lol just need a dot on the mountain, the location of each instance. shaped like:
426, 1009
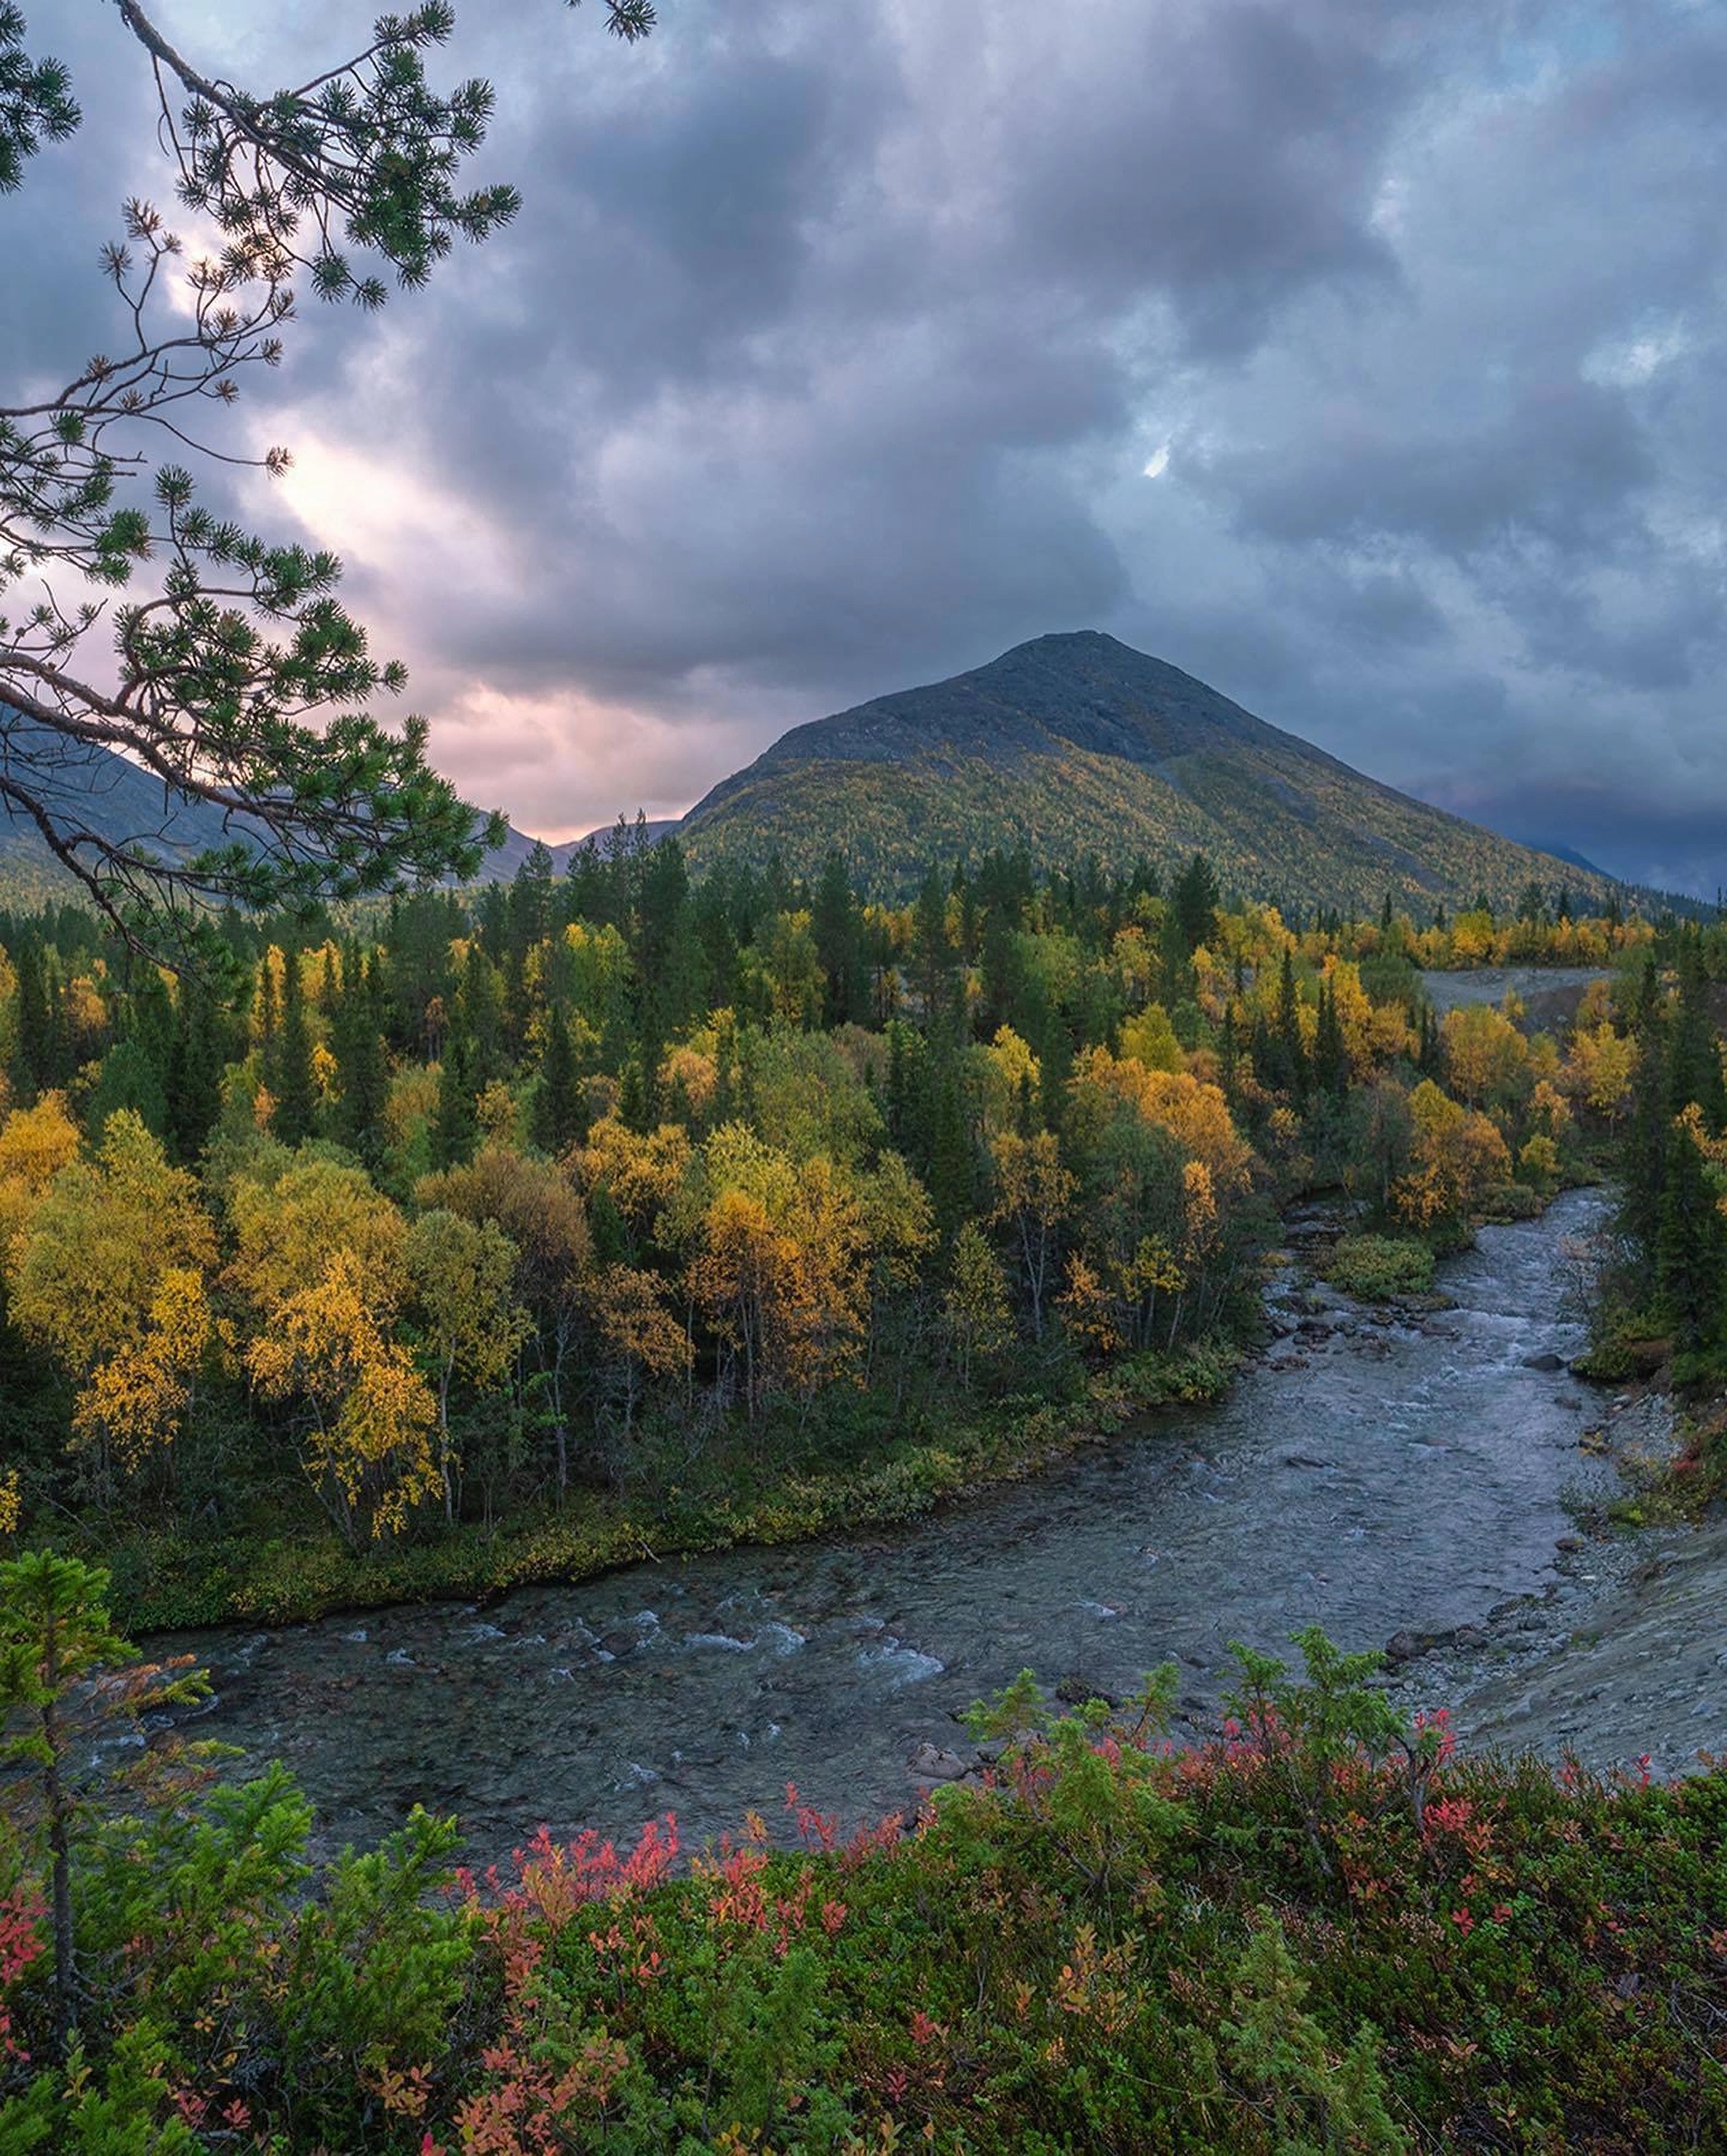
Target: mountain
1076, 745
1567, 854
124, 804
1069, 746
102, 790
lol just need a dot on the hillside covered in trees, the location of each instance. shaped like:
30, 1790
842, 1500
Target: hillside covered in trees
1067, 748
1076, 745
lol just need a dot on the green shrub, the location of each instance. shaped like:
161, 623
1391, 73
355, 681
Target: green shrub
1508, 1202
1379, 1267
1322, 1931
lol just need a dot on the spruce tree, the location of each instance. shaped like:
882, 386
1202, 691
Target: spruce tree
1694, 1056
556, 1119
1646, 1152
1330, 1058
516, 1012
1430, 1051
1690, 1246
479, 1014
269, 1027
129, 1078
1228, 1056
1271, 1064
932, 955
29, 1059
295, 1090
838, 945
1292, 1048
361, 1060
1194, 902
195, 1059
900, 1097
951, 1163
456, 1126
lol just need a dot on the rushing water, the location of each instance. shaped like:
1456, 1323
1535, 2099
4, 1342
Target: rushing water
1368, 1474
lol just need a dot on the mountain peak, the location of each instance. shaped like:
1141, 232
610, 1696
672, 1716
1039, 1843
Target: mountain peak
1074, 744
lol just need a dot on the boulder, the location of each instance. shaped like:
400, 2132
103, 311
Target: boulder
928, 1763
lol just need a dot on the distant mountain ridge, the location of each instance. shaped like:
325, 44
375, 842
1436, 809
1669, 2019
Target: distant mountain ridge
1070, 745
1075, 744
127, 806
114, 797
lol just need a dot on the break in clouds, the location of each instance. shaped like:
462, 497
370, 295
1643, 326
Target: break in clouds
1363, 358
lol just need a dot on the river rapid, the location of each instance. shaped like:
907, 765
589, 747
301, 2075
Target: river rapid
1378, 1473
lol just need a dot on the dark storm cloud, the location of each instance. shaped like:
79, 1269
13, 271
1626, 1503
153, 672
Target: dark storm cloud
1560, 464
836, 340
835, 336
1223, 157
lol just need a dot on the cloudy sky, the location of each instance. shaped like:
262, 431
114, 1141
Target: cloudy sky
1363, 358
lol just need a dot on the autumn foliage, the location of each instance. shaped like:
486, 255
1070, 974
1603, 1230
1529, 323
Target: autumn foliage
609, 1189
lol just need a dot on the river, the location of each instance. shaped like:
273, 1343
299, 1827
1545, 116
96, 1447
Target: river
1372, 1473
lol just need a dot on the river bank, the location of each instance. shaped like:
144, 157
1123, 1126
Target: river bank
176, 1581
1621, 1660
1377, 1472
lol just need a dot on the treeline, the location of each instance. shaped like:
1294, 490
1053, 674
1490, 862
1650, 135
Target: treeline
1668, 1293
478, 1202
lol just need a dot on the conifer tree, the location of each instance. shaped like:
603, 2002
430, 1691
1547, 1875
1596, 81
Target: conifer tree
1194, 902
1430, 1050
130, 1079
1694, 1055
558, 1107
531, 899
455, 1127
900, 1092
952, 1165
1691, 1245
480, 1004
838, 944
932, 953
269, 1026
1330, 1058
196, 1057
295, 1090
240, 681
361, 1060
1293, 1049
1228, 1056
41, 1050
1647, 1146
